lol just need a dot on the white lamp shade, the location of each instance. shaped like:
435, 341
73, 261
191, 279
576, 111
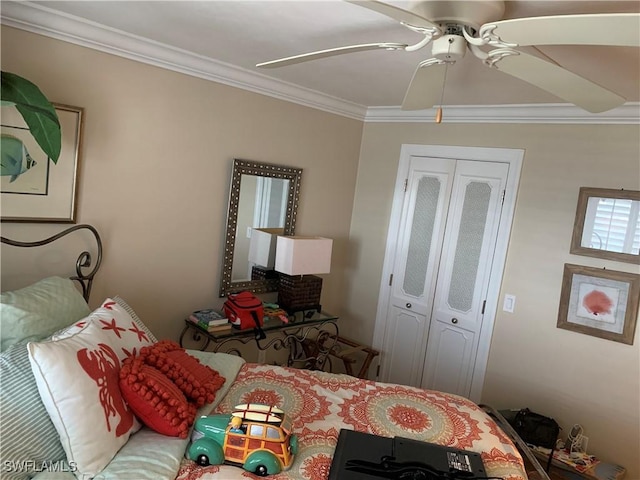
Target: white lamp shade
300, 255
262, 246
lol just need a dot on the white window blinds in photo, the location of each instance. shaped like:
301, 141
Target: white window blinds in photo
615, 225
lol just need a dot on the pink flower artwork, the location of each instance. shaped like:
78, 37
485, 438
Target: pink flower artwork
597, 302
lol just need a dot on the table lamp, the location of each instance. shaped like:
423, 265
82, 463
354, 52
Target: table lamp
298, 258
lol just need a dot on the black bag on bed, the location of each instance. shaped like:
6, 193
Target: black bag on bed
536, 429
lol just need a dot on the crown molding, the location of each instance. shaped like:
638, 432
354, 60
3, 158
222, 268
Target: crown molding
551, 113
44, 21
41, 20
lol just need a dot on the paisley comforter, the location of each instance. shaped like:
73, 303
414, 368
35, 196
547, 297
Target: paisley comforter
321, 404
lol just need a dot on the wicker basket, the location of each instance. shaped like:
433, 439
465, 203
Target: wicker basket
299, 292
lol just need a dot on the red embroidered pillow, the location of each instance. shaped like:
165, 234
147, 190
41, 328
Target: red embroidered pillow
198, 382
155, 399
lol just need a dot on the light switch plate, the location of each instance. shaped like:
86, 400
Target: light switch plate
509, 303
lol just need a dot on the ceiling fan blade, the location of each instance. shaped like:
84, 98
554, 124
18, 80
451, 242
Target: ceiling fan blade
396, 13
426, 86
560, 82
305, 57
611, 29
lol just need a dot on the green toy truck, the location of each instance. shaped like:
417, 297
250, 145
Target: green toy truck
256, 437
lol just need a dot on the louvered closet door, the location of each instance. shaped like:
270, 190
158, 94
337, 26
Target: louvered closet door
465, 267
424, 212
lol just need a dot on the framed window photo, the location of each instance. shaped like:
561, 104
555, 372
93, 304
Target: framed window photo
607, 224
599, 302
38, 190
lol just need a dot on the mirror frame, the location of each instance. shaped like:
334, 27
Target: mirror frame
247, 167
578, 227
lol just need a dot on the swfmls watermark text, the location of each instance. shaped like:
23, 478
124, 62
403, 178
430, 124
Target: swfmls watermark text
19, 466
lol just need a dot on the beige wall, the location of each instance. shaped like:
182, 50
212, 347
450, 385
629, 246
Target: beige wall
573, 377
156, 163
156, 166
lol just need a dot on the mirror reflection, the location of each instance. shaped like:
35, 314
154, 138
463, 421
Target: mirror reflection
262, 204
263, 199
608, 224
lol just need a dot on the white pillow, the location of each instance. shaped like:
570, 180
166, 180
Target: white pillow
135, 317
126, 335
93, 421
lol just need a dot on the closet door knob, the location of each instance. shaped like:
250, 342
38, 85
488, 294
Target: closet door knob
408, 305
454, 320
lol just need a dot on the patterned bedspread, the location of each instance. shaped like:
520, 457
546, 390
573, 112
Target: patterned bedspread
320, 404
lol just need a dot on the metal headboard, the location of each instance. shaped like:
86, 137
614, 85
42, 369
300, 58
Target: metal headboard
84, 260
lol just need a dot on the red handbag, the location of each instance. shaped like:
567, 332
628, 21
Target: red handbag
244, 311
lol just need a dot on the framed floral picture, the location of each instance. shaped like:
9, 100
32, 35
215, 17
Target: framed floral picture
599, 302
33, 188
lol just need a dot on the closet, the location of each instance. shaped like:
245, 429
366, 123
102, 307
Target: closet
445, 255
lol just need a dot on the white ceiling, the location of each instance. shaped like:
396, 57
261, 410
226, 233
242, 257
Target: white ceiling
243, 33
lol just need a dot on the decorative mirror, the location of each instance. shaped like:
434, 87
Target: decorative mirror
607, 224
262, 196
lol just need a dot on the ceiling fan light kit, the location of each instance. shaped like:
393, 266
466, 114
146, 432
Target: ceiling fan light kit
453, 26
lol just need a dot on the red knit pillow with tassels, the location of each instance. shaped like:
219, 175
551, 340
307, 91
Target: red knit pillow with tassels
155, 399
198, 382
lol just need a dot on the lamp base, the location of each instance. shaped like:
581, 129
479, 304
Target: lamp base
298, 293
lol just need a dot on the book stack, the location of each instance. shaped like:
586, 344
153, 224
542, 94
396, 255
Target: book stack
210, 320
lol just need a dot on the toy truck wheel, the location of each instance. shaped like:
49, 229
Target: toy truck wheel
262, 463
206, 452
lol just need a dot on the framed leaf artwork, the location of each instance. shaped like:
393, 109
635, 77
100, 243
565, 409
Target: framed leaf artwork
33, 188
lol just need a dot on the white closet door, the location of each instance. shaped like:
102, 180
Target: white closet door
463, 279
420, 236
444, 261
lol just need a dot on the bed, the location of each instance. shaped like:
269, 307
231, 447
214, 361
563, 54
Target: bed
47, 444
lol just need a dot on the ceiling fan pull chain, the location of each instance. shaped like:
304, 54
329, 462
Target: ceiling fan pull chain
444, 83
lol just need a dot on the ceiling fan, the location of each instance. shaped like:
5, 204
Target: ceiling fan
453, 27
